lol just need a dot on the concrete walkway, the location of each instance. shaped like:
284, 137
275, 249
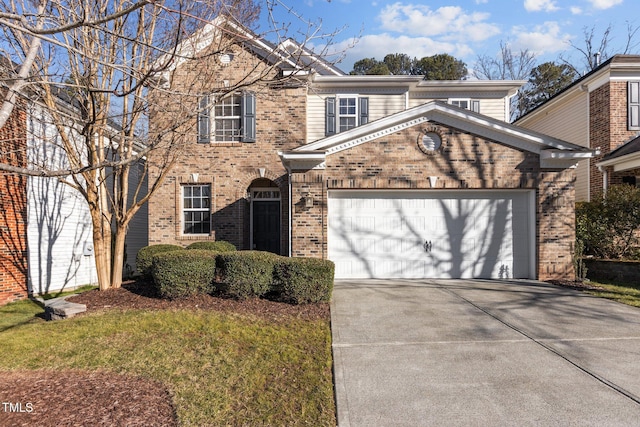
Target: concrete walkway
482, 353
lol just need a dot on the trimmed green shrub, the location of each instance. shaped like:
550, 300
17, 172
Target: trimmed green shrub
607, 227
304, 280
218, 246
180, 274
246, 274
144, 257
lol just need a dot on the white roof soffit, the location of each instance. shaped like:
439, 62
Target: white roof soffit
418, 82
622, 163
464, 120
302, 160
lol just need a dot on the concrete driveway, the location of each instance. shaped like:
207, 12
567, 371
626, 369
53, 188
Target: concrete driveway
482, 353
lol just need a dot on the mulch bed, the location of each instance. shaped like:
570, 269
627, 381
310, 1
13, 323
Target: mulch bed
81, 398
140, 295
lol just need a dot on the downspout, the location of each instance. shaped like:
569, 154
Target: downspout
605, 179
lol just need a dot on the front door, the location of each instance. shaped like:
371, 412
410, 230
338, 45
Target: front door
266, 226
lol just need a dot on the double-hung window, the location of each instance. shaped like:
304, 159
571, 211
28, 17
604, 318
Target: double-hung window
229, 118
345, 112
467, 104
196, 209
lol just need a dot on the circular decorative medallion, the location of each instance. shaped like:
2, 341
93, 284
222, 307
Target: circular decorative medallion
226, 58
430, 141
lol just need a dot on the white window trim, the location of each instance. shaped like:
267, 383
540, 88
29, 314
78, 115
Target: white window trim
212, 117
356, 115
183, 209
467, 100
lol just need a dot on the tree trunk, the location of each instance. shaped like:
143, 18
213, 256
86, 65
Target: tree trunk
102, 253
118, 257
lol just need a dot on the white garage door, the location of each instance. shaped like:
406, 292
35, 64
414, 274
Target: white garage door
431, 234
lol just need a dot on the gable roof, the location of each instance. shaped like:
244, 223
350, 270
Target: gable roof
625, 157
553, 152
617, 66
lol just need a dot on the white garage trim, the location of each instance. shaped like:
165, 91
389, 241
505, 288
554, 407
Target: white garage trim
432, 233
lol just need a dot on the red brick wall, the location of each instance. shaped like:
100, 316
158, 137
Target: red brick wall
607, 126
13, 211
465, 162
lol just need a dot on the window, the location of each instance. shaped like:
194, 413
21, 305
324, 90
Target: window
345, 112
633, 105
467, 104
231, 118
196, 207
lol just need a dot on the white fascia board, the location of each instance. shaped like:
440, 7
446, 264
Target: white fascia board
562, 159
622, 163
447, 115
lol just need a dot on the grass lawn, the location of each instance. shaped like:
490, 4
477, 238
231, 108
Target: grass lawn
222, 369
626, 293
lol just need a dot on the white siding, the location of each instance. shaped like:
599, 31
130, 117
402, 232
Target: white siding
58, 226
380, 105
494, 108
570, 122
58, 221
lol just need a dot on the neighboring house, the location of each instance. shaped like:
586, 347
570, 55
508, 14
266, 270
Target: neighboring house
46, 231
600, 111
13, 209
388, 176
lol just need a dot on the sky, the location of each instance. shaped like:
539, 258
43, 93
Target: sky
464, 29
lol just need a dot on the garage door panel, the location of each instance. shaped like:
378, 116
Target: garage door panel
472, 233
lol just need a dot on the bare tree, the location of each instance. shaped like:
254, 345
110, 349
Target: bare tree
89, 67
507, 65
595, 49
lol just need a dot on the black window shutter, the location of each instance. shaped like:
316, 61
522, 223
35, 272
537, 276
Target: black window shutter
364, 110
248, 107
633, 105
330, 116
475, 106
204, 120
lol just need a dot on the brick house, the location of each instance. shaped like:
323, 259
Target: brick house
13, 208
600, 111
388, 176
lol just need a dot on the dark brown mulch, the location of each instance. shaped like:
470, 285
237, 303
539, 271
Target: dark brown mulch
139, 295
575, 284
79, 398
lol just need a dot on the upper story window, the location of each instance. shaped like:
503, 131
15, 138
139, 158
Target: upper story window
196, 209
466, 103
345, 112
633, 105
231, 118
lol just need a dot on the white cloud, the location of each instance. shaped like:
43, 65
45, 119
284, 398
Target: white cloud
540, 5
605, 4
450, 23
542, 39
482, 1
575, 10
377, 46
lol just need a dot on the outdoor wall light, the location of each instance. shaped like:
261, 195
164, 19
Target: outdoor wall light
307, 198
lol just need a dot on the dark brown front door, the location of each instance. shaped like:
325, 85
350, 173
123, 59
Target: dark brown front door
266, 226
